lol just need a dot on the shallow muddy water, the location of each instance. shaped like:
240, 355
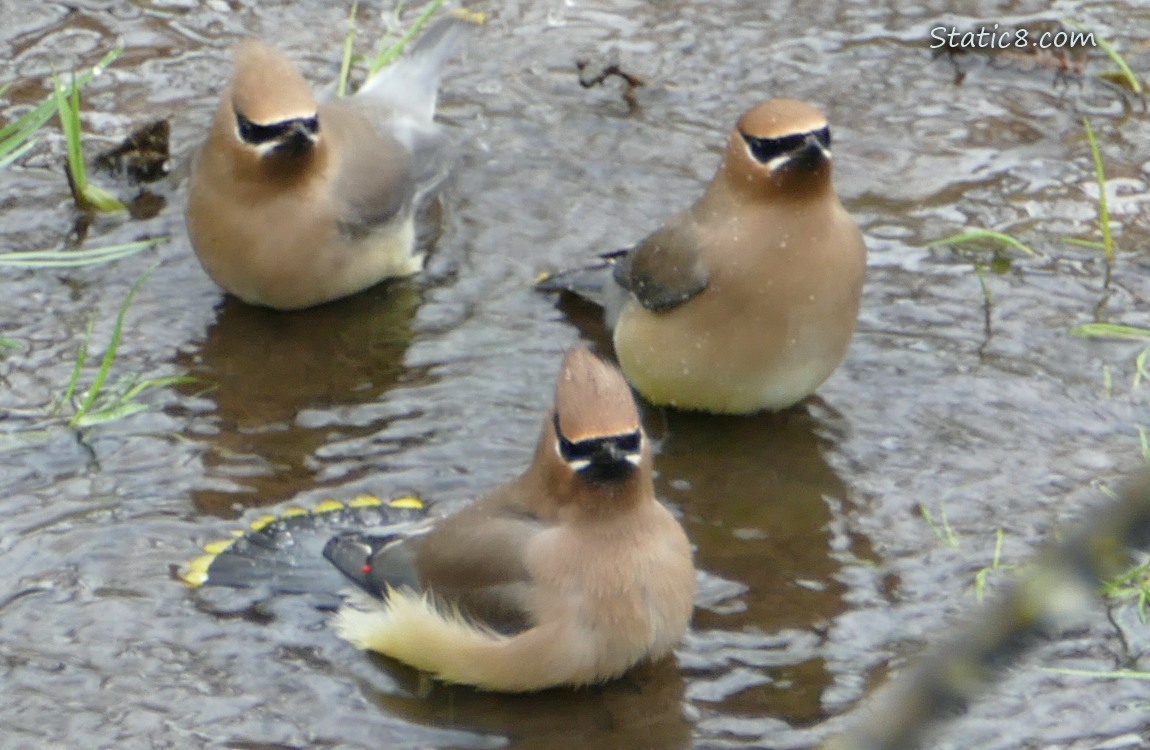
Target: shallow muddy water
823, 572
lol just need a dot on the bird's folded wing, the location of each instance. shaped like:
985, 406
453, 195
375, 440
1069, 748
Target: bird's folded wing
666, 269
376, 184
473, 562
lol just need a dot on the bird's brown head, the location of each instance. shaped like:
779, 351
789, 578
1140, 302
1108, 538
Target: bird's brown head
272, 110
780, 148
593, 449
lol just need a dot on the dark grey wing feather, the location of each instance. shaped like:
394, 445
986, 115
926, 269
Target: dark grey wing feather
482, 575
376, 184
373, 197
477, 564
666, 269
587, 282
363, 559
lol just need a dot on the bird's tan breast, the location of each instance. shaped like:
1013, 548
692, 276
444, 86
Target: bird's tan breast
773, 323
277, 242
620, 593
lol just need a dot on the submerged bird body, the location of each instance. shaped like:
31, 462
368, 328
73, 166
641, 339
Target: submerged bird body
295, 202
568, 575
747, 300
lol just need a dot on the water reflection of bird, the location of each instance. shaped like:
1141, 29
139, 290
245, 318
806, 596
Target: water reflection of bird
747, 300
756, 490
264, 369
643, 710
760, 501
294, 203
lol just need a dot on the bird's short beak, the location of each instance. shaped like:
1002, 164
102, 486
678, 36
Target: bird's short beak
298, 141
812, 153
609, 463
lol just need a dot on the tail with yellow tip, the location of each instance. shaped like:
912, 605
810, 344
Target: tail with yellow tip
282, 553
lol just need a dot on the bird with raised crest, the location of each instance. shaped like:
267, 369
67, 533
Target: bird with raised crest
747, 300
570, 574
296, 201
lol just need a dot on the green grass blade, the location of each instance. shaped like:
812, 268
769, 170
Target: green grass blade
74, 258
974, 235
20, 129
109, 414
1131, 79
125, 404
10, 344
110, 353
1118, 583
81, 359
16, 153
146, 385
74, 134
102, 200
1092, 244
987, 294
26, 439
348, 47
941, 528
1117, 674
1103, 205
31, 121
980, 583
995, 564
1140, 372
388, 55
1111, 331
86, 194
68, 108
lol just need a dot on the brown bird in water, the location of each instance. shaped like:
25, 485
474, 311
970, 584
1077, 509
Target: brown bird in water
747, 300
570, 574
294, 203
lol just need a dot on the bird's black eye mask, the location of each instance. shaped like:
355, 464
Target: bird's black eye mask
255, 134
765, 149
603, 458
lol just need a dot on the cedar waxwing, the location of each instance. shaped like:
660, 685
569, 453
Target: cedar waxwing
747, 300
293, 202
568, 575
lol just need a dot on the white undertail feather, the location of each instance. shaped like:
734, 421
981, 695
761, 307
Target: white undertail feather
388, 252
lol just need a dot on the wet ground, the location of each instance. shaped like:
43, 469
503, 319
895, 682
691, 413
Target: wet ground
967, 398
